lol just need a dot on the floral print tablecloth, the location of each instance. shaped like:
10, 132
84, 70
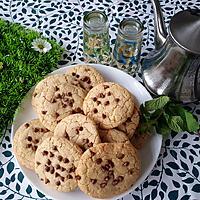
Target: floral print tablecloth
176, 175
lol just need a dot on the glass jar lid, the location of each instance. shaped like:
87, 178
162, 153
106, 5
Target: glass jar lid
130, 28
95, 20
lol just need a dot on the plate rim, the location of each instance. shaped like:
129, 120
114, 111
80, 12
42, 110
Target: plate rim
56, 71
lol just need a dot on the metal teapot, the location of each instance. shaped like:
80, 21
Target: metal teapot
174, 67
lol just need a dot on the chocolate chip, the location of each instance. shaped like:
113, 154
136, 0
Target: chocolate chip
85, 141
128, 119
34, 148
46, 181
28, 145
71, 102
98, 102
117, 100
130, 171
51, 154
98, 161
106, 103
57, 115
52, 170
120, 155
124, 123
57, 166
109, 93
73, 74
79, 110
34, 94
95, 110
29, 138
90, 144
89, 81
90, 87
94, 99
104, 116
53, 101
92, 153
38, 163
58, 96
77, 177
115, 182
44, 153
57, 183
125, 164
66, 135
93, 181
101, 95
62, 178
69, 176
42, 179
35, 141
85, 79
56, 88
107, 167
26, 125
55, 148
65, 160
60, 158
77, 75
47, 168
36, 130
64, 105
106, 178
62, 169
120, 178
77, 131
69, 94
81, 128
110, 162
103, 185
48, 162
106, 86
57, 174
72, 169
44, 112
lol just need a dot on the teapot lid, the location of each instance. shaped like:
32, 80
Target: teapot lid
184, 28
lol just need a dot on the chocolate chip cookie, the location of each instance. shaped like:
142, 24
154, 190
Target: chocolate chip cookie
79, 129
86, 75
108, 169
56, 100
108, 104
113, 136
26, 140
42, 86
130, 125
56, 161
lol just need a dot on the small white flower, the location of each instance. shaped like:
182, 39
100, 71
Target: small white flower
41, 45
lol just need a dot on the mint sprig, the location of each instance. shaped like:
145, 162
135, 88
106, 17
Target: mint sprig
166, 115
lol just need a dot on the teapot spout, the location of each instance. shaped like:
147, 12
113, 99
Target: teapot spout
159, 26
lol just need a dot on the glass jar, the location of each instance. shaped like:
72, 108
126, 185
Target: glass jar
96, 45
126, 53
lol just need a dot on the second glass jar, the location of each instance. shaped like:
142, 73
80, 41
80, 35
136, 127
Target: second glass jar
126, 53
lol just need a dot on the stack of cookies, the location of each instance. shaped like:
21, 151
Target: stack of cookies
83, 136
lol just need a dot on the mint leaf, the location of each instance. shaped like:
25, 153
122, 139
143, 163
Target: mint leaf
175, 123
156, 103
192, 124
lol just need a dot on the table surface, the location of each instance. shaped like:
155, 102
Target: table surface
176, 173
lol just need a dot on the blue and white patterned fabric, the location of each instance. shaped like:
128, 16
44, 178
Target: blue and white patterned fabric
176, 175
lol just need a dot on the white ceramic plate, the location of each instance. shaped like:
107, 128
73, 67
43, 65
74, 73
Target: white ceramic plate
149, 153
